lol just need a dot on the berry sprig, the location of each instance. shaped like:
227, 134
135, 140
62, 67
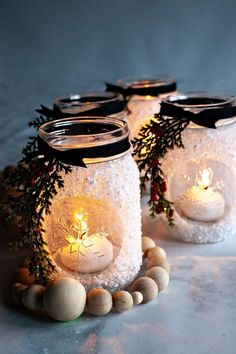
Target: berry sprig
153, 142
37, 178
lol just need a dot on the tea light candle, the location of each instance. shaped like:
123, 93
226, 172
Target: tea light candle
201, 202
86, 253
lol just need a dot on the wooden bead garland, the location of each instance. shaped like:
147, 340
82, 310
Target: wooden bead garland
156, 252
147, 287
99, 301
32, 297
159, 262
122, 300
147, 243
160, 276
64, 299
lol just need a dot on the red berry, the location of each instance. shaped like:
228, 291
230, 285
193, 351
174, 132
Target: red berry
33, 166
171, 213
33, 182
154, 187
163, 186
159, 208
154, 197
155, 162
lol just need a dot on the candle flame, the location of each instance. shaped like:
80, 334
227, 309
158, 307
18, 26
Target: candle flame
81, 226
204, 178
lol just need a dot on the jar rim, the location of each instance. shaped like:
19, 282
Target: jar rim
103, 103
146, 81
87, 97
200, 100
96, 131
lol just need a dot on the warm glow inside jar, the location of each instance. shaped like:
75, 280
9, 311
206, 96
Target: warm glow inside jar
98, 103
145, 95
93, 232
201, 177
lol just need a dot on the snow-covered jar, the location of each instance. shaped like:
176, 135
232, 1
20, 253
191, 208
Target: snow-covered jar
201, 176
144, 96
93, 232
97, 103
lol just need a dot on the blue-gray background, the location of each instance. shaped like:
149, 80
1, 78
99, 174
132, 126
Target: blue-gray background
50, 48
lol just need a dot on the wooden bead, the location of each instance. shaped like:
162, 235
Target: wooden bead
32, 297
23, 276
147, 243
156, 252
160, 276
137, 297
99, 302
64, 299
122, 301
159, 262
16, 292
147, 287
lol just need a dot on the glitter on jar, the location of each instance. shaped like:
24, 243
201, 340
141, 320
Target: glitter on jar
143, 105
93, 232
206, 151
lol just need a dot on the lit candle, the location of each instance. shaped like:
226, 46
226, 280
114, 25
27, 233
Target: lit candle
84, 253
202, 202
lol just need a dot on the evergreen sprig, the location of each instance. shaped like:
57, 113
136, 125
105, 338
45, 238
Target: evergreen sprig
154, 141
37, 178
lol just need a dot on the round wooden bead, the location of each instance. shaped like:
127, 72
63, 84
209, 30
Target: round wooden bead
160, 276
156, 252
122, 301
32, 297
137, 297
147, 243
23, 276
147, 287
159, 262
16, 292
64, 299
99, 302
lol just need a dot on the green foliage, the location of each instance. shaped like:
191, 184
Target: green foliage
37, 178
154, 141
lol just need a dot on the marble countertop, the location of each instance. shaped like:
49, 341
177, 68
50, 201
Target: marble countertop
196, 314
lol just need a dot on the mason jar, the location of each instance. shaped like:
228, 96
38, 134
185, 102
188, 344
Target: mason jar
144, 96
97, 103
93, 232
201, 176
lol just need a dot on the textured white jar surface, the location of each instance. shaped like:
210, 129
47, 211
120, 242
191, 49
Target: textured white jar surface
108, 188
142, 110
214, 147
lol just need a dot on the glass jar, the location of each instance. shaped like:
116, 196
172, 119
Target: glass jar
144, 97
100, 104
201, 176
93, 232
